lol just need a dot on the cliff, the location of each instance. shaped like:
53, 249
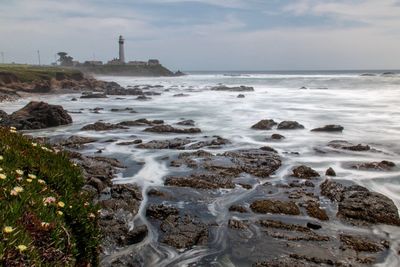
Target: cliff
128, 70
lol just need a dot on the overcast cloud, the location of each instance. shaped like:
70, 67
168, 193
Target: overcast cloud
208, 34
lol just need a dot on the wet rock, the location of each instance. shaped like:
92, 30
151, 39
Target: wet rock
277, 137
93, 95
76, 142
74, 99
236, 224
121, 109
180, 95
237, 208
138, 234
156, 193
126, 197
264, 125
161, 211
360, 244
246, 186
186, 123
333, 190
304, 172
214, 143
170, 129
329, 128
360, 207
382, 166
358, 147
314, 226
241, 96
184, 232
340, 144
275, 206
289, 125
102, 126
141, 122
313, 210
283, 226
37, 115
134, 142
143, 98
200, 181
233, 89
176, 143
330, 172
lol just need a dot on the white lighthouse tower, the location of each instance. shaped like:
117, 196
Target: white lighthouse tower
121, 49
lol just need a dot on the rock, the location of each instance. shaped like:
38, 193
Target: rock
200, 181
237, 208
184, 232
264, 125
143, 98
176, 143
382, 166
304, 172
359, 244
233, 89
358, 147
283, 226
138, 234
330, 172
170, 129
360, 207
332, 190
329, 128
214, 143
313, 210
275, 206
76, 142
161, 211
37, 115
74, 99
122, 109
277, 137
236, 224
313, 226
241, 96
93, 95
101, 126
340, 144
289, 125
186, 123
134, 142
141, 122
180, 95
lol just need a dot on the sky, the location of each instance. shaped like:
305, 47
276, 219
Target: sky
207, 34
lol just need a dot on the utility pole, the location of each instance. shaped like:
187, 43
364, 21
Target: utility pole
38, 53
2, 57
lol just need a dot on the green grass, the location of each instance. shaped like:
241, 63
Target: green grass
29, 73
53, 234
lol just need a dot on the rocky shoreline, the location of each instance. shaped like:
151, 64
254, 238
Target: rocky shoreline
285, 222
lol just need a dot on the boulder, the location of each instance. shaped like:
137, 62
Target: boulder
329, 128
290, 125
102, 126
37, 115
275, 206
176, 143
186, 123
93, 95
170, 129
264, 125
277, 137
384, 165
304, 172
241, 96
314, 210
330, 172
233, 89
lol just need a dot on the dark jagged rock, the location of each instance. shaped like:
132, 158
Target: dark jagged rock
93, 95
200, 181
289, 125
358, 147
329, 128
241, 96
76, 142
138, 234
275, 206
37, 115
332, 190
214, 143
237, 208
233, 89
382, 166
102, 126
264, 125
283, 226
176, 143
313, 210
314, 226
170, 129
277, 137
304, 172
74, 99
121, 109
184, 232
141, 122
161, 211
236, 224
360, 244
128, 143
330, 172
186, 123
180, 95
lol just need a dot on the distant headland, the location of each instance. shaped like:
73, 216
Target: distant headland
118, 66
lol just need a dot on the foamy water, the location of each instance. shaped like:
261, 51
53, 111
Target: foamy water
367, 107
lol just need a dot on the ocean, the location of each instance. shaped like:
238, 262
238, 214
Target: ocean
365, 103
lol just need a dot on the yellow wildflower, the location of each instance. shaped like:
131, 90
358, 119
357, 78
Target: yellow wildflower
70, 207
22, 248
32, 176
86, 204
8, 229
91, 215
60, 213
34, 144
1, 169
1, 157
18, 189
61, 204
13, 128
19, 172
2, 176
40, 181
29, 180
45, 224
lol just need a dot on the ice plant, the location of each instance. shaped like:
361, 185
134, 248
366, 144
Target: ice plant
61, 204
19, 172
29, 180
2, 176
32, 176
34, 144
8, 229
60, 213
1, 157
22, 248
40, 181
49, 200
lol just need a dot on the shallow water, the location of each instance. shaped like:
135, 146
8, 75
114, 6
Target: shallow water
367, 107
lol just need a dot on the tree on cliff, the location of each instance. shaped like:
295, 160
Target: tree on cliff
64, 59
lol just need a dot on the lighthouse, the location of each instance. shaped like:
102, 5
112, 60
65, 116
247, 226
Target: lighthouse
121, 49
